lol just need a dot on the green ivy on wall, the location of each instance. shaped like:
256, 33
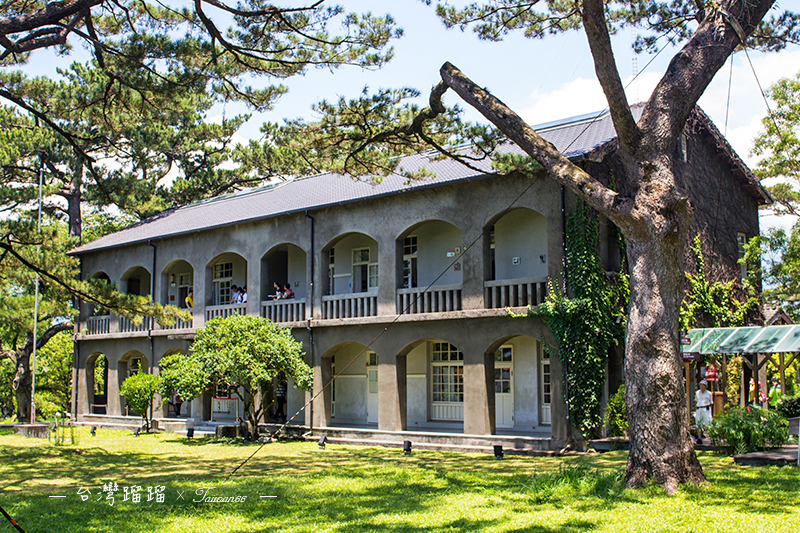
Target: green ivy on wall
714, 304
587, 321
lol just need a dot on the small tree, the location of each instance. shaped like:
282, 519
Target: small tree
139, 390
242, 354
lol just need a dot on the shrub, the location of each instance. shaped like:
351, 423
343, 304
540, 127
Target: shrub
789, 406
138, 391
616, 417
749, 429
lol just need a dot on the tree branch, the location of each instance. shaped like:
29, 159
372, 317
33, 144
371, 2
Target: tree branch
561, 169
692, 69
594, 21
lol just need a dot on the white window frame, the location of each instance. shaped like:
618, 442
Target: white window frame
447, 371
371, 268
410, 262
741, 241
223, 279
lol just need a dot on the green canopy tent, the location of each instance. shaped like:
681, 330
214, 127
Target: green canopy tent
779, 345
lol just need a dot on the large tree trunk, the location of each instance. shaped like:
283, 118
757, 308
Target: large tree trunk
22, 383
22, 380
661, 446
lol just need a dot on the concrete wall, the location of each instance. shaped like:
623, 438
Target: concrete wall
435, 240
521, 234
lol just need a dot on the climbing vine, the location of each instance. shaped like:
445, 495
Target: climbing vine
587, 321
714, 304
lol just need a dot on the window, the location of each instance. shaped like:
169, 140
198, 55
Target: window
365, 273
741, 241
223, 275
683, 148
492, 252
134, 366
502, 369
331, 271
447, 372
372, 372
546, 390
410, 262
184, 286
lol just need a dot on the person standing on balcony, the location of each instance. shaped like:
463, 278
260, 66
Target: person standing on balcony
288, 293
243, 294
190, 299
236, 297
278, 291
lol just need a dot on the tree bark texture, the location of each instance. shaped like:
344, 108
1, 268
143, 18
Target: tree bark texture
22, 383
654, 219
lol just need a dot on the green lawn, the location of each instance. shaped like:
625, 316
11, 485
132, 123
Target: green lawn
344, 488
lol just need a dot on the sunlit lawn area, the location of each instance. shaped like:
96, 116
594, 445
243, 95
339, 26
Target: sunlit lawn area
344, 488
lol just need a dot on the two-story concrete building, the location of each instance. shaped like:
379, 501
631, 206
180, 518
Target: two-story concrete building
401, 289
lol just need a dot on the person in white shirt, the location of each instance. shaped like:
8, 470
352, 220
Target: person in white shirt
702, 413
243, 294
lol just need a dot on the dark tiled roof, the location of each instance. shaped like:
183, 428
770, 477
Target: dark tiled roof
574, 137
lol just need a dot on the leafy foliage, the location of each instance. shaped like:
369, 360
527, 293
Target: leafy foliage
587, 324
775, 256
789, 406
714, 304
139, 390
54, 371
616, 416
242, 354
779, 146
747, 429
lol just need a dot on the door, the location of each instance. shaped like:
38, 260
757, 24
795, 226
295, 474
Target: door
504, 387
546, 392
372, 388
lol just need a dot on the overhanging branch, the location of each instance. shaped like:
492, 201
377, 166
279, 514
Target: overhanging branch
560, 168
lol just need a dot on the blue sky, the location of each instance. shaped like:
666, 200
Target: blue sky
542, 80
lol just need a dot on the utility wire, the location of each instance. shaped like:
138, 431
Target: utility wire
419, 295
385, 329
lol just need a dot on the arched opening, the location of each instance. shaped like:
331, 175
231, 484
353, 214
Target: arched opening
434, 384
175, 406
95, 310
97, 384
283, 265
522, 384
225, 274
135, 280
354, 393
177, 281
516, 256
351, 281
428, 255
130, 363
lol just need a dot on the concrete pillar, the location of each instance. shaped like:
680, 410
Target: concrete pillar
472, 274
322, 404
478, 392
116, 373
84, 385
387, 276
392, 393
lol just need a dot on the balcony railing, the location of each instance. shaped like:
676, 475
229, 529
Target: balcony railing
179, 324
127, 326
291, 310
224, 311
98, 325
350, 305
436, 299
514, 292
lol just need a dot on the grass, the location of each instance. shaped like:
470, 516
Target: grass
356, 489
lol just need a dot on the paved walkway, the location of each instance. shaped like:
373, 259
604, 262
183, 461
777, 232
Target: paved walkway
777, 456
